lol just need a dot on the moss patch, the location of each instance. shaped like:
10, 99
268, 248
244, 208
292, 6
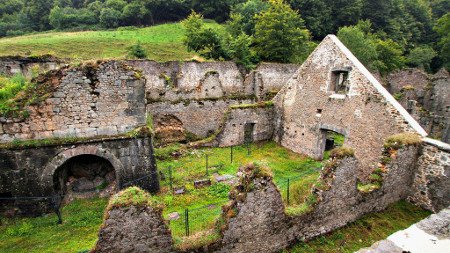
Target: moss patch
133, 196
398, 141
256, 105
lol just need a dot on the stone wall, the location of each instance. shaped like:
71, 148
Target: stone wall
175, 81
261, 119
31, 171
201, 118
261, 224
134, 229
365, 113
426, 97
92, 100
28, 66
431, 187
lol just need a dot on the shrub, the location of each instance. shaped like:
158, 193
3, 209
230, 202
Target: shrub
137, 51
400, 140
342, 152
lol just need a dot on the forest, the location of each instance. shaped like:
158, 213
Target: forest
384, 35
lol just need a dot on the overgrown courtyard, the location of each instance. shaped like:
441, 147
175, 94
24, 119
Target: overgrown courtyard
179, 167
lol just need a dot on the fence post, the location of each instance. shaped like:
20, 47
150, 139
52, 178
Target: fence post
288, 191
231, 154
56, 203
186, 221
248, 148
170, 179
207, 173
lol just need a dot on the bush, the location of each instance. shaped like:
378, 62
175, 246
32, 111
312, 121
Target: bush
137, 51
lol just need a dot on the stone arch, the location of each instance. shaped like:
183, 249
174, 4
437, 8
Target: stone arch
64, 156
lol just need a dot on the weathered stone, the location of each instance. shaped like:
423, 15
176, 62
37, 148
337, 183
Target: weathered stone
173, 216
202, 183
134, 229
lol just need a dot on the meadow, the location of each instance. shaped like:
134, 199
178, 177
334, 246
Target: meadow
162, 43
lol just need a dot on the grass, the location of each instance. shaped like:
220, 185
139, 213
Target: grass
365, 231
398, 141
204, 204
161, 42
79, 231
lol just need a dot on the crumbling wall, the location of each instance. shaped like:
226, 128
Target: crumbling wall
28, 66
92, 100
201, 118
426, 98
308, 105
344, 203
31, 171
233, 132
133, 223
431, 187
255, 219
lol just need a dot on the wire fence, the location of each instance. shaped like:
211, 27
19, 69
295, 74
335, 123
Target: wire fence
185, 222
54, 201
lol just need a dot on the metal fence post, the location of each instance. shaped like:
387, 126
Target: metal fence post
207, 173
55, 201
170, 179
288, 191
231, 154
186, 221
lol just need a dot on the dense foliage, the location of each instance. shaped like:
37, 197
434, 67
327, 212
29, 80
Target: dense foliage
418, 29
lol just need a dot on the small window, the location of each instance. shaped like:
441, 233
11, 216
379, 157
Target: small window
339, 81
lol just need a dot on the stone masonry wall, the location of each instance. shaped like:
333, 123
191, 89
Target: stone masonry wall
261, 224
307, 106
28, 66
234, 129
107, 99
134, 229
431, 187
426, 97
30, 171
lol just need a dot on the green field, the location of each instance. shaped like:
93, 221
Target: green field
82, 218
162, 43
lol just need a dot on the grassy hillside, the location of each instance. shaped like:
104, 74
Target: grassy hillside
162, 42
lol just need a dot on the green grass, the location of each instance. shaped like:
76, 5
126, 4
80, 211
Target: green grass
162, 43
365, 231
79, 231
192, 166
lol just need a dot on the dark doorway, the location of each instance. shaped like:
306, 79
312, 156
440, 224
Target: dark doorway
331, 140
84, 174
249, 128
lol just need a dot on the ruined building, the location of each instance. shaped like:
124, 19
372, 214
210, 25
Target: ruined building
103, 113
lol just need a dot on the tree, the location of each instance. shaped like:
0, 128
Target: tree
37, 12
442, 27
243, 15
280, 34
10, 7
390, 56
218, 10
109, 18
134, 13
317, 16
361, 45
117, 5
344, 12
421, 57
208, 42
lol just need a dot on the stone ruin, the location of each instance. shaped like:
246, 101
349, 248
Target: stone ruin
109, 111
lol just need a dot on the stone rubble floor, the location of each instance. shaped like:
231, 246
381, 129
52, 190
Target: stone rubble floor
431, 235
